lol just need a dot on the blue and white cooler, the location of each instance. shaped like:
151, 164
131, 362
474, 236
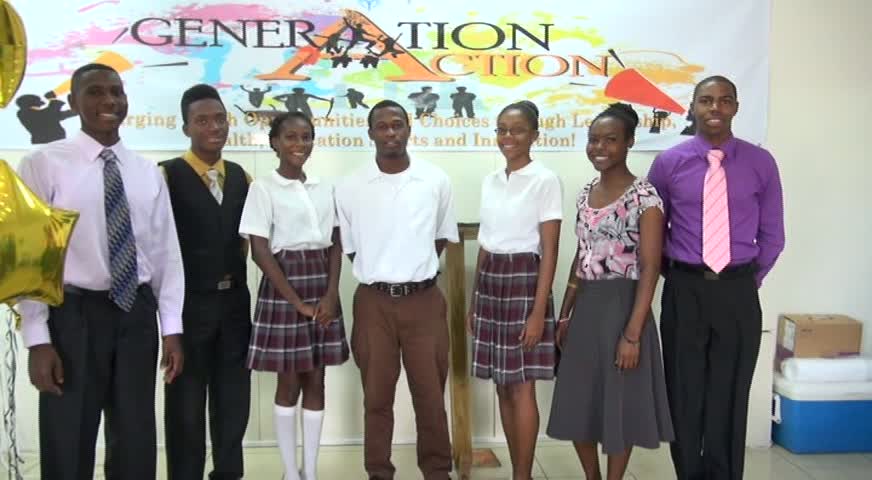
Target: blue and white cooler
823, 405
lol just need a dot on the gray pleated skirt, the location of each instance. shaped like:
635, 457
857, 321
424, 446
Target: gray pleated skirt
593, 400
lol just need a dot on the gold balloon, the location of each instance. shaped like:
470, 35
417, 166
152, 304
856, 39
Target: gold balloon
13, 52
33, 243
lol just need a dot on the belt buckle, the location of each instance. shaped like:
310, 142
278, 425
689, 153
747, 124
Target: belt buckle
709, 275
224, 285
396, 290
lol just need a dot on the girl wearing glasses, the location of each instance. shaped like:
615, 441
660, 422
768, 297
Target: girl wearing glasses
511, 317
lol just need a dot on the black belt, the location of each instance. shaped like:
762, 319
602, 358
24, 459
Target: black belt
397, 290
732, 271
84, 292
226, 284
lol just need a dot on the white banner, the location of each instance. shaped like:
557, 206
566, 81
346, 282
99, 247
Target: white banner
454, 64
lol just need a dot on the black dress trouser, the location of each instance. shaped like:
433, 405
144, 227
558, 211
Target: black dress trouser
711, 330
109, 359
217, 330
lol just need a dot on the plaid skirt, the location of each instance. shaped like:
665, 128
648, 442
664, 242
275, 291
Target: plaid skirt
503, 300
283, 340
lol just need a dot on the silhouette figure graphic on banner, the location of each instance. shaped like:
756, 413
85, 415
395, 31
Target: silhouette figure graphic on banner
372, 59
657, 123
425, 102
462, 101
332, 43
358, 35
369, 61
255, 96
298, 101
43, 124
691, 128
355, 98
390, 46
338, 60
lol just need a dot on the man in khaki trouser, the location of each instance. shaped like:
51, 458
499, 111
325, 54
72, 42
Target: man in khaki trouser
395, 217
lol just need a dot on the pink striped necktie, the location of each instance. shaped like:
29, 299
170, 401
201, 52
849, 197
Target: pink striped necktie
715, 215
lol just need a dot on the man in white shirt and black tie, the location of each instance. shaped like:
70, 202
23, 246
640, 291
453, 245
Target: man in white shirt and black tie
96, 353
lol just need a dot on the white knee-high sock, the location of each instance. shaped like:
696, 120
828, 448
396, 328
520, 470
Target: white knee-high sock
312, 423
286, 434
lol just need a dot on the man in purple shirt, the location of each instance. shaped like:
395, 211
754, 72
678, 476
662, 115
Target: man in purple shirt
716, 259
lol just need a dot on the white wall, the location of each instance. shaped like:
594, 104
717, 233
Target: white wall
819, 100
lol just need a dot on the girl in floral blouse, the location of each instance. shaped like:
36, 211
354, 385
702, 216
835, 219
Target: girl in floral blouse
610, 388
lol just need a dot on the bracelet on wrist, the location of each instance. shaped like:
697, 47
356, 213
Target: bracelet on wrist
627, 339
563, 319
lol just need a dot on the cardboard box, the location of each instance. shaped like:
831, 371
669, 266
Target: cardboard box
816, 336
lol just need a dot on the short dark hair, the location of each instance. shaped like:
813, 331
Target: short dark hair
385, 104
625, 114
195, 94
528, 109
275, 125
715, 78
77, 75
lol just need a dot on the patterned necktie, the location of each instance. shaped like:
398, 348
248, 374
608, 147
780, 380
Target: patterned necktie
214, 186
122, 247
715, 215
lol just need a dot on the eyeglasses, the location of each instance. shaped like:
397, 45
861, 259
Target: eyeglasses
515, 132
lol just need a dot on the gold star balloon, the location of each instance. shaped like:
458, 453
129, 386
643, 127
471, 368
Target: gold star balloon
13, 52
33, 243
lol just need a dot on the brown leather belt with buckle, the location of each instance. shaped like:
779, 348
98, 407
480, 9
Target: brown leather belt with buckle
397, 290
732, 271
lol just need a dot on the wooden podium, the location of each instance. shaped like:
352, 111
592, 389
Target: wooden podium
461, 433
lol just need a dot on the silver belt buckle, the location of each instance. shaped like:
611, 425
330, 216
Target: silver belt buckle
396, 290
708, 275
224, 285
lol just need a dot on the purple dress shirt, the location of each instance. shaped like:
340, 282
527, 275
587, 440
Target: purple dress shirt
754, 201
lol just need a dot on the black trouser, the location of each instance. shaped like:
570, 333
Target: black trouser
110, 360
217, 329
711, 338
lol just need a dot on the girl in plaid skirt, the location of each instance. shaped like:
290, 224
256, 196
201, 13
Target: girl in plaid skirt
511, 317
298, 328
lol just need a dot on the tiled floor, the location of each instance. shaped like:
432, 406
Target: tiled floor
553, 461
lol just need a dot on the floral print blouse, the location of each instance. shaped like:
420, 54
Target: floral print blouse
608, 237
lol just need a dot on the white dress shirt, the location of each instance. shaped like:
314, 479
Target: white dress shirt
512, 208
69, 174
293, 215
391, 221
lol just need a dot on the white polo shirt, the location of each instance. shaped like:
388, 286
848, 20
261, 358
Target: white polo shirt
391, 221
293, 215
512, 208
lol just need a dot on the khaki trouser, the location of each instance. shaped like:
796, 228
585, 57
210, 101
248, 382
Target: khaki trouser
412, 328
